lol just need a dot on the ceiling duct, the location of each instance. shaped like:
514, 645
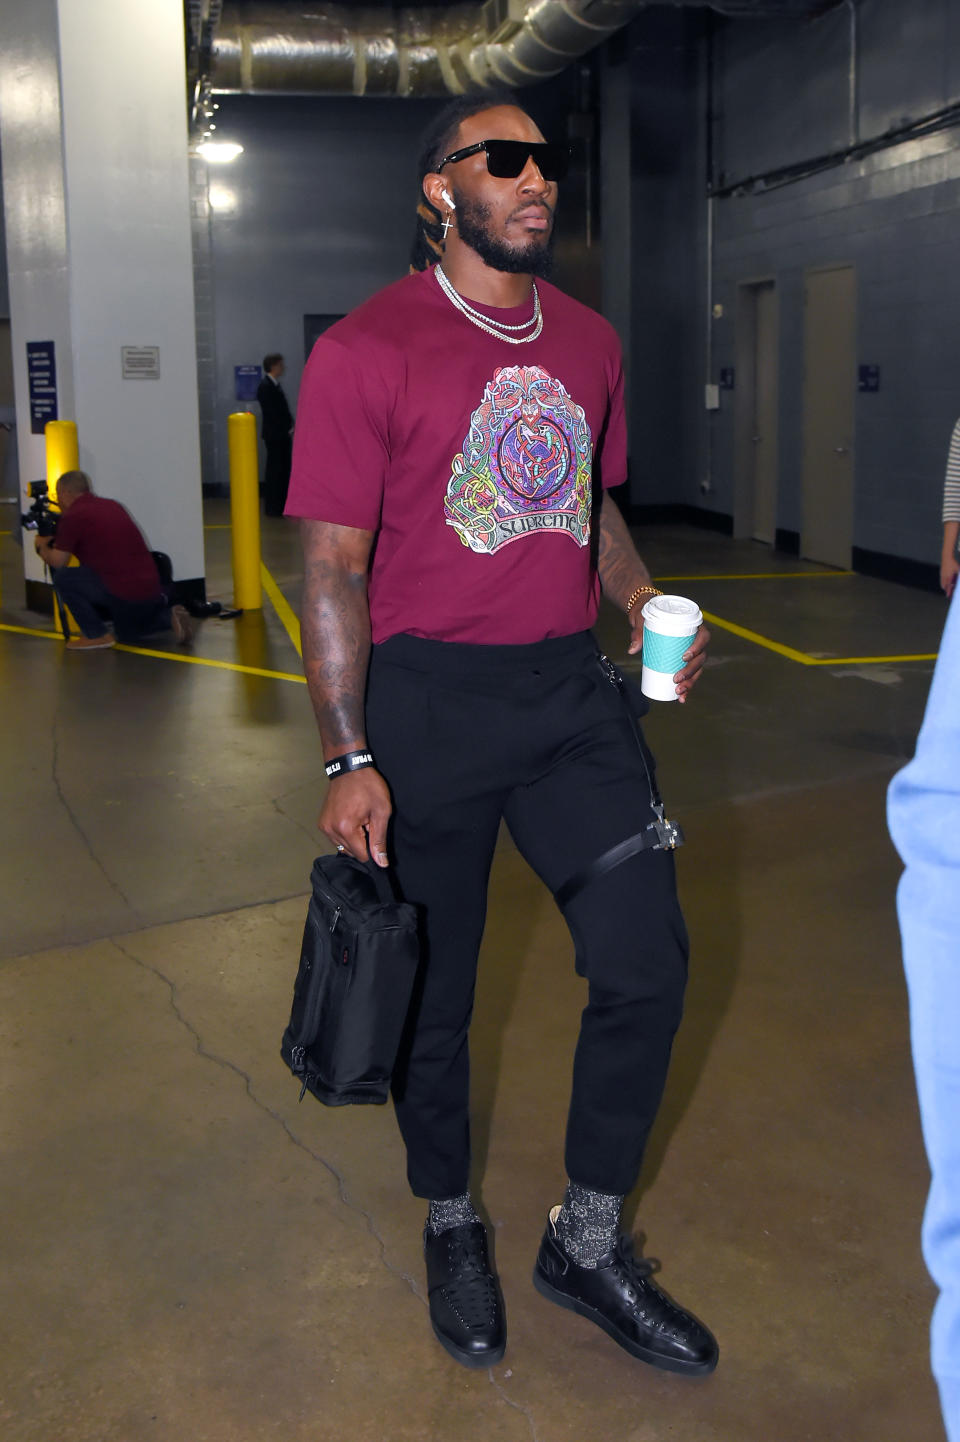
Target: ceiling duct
263, 49
293, 48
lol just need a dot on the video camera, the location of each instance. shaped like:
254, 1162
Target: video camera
41, 516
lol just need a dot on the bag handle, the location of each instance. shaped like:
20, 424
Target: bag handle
613, 675
381, 880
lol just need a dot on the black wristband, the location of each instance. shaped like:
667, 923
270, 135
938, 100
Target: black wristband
349, 761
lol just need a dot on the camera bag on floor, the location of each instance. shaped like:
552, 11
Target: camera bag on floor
357, 968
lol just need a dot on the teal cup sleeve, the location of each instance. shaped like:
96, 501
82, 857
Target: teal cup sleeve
664, 653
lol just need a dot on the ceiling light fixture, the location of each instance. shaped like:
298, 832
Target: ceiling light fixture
219, 152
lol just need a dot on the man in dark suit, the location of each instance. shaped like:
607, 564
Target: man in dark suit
277, 430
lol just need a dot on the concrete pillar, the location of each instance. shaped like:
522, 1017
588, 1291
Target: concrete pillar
96, 202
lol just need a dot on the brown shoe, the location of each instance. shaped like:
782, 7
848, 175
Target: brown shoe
182, 625
91, 643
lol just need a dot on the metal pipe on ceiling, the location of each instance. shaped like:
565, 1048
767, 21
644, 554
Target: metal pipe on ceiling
551, 35
265, 47
339, 49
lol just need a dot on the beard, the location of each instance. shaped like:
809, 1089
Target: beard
534, 257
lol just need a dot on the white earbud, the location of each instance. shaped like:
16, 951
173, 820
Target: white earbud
448, 198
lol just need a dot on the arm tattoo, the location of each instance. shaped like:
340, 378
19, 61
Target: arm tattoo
335, 631
620, 567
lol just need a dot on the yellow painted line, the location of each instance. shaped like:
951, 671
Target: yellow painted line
208, 661
281, 605
868, 660
802, 658
283, 608
763, 576
173, 656
28, 631
791, 655
758, 640
226, 527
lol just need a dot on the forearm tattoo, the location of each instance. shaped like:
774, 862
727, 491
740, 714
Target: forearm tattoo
620, 567
335, 633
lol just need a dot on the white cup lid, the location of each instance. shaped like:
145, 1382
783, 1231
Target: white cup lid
672, 615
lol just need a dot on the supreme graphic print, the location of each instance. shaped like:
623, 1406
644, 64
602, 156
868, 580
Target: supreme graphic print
525, 465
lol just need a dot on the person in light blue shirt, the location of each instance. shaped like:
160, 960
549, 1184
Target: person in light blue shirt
924, 817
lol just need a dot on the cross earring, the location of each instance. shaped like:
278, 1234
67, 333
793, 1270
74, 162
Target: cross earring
448, 223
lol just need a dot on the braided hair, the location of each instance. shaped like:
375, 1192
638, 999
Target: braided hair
435, 143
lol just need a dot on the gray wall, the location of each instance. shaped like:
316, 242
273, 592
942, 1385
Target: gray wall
4, 284
658, 61
782, 96
322, 216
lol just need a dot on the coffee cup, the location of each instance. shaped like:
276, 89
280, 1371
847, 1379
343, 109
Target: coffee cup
669, 625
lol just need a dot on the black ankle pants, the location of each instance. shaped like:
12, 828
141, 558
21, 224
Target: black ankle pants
467, 735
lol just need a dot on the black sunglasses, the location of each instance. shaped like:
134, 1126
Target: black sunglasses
506, 159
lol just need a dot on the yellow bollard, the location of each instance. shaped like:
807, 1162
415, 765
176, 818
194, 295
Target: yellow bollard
63, 454
245, 510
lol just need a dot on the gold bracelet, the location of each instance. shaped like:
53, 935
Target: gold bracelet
638, 593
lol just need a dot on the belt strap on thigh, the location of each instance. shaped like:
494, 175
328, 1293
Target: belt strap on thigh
660, 835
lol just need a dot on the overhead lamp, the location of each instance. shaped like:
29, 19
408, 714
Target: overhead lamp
219, 152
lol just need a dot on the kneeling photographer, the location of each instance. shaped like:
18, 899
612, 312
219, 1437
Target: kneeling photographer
117, 578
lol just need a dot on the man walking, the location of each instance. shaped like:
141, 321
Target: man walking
276, 427
469, 420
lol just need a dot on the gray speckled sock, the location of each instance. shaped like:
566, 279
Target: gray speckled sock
588, 1224
451, 1212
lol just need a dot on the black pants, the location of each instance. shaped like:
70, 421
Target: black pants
466, 735
92, 605
276, 475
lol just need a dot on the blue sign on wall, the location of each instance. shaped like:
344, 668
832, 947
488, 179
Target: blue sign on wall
42, 381
245, 382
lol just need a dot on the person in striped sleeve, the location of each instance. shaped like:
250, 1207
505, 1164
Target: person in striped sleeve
949, 565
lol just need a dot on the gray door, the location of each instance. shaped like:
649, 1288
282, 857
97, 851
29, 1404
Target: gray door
756, 412
829, 381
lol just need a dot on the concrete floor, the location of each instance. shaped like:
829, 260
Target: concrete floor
191, 1256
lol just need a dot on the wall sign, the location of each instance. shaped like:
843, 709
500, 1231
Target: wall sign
42, 382
868, 378
140, 362
245, 382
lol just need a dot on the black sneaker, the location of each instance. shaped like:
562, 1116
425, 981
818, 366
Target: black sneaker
619, 1296
466, 1307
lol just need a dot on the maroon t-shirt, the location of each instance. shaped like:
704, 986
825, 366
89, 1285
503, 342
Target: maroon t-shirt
103, 536
475, 461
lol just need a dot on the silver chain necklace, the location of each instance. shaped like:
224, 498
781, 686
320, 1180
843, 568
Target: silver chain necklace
498, 329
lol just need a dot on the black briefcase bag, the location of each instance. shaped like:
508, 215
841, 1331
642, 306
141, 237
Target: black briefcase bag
352, 994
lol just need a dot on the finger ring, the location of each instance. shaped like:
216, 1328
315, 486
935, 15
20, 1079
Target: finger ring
341, 848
